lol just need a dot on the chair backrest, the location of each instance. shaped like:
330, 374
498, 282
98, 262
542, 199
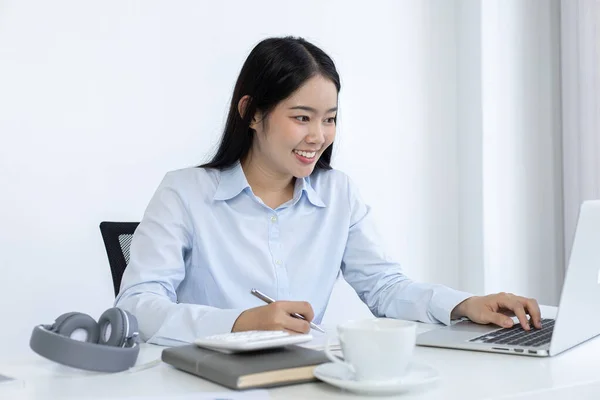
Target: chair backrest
117, 239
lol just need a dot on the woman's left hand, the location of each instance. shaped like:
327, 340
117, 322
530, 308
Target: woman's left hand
497, 309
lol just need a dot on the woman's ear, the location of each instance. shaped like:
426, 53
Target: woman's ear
242, 106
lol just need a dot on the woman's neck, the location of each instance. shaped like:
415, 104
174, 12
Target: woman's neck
274, 189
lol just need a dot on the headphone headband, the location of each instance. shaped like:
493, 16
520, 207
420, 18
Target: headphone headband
87, 355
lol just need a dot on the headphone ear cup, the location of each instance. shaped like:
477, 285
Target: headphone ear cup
67, 324
113, 327
60, 320
133, 324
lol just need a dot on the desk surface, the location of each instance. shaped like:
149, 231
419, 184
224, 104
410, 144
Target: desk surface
466, 375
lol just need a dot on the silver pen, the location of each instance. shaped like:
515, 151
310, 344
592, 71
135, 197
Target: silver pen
269, 300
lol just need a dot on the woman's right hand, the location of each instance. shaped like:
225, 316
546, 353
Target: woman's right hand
276, 316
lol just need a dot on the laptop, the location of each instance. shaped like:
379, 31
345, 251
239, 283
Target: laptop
576, 318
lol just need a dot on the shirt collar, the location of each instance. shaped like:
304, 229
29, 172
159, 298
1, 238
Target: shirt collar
233, 181
304, 185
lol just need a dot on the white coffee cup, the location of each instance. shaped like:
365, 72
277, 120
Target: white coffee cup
376, 349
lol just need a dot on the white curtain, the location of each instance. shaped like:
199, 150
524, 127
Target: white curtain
521, 148
509, 145
580, 57
529, 139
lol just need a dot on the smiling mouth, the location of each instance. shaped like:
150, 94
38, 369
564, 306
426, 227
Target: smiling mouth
306, 154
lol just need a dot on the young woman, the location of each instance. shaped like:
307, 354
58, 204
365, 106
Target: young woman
269, 212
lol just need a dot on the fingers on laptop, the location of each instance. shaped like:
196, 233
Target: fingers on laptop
533, 308
498, 319
521, 306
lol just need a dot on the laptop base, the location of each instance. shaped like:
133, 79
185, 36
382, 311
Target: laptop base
458, 336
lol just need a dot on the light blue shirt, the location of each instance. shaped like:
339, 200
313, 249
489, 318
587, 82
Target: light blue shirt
206, 240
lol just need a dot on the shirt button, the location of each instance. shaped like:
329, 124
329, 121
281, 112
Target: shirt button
273, 218
278, 262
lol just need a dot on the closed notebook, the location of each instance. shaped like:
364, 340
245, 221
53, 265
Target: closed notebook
263, 368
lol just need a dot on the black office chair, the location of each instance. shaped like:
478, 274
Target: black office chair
117, 239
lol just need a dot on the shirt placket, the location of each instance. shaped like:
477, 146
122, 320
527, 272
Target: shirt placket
277, 257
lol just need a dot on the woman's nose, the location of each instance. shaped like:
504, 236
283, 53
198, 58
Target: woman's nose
316, 136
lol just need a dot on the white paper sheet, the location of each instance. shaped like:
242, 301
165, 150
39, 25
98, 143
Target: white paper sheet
320, 339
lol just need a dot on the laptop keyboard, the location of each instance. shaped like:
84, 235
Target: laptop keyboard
518, 336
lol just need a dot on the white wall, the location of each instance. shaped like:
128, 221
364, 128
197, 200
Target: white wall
98, 100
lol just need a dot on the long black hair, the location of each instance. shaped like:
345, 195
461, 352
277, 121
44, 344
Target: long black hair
274, 69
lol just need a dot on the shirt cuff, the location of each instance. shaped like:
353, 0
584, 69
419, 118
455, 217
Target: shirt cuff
444, 301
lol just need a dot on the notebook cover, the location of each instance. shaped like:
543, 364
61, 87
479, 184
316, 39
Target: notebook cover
227, 369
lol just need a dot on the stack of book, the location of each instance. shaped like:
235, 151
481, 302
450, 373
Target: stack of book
256, 369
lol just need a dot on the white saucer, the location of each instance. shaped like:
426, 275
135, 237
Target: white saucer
340, 376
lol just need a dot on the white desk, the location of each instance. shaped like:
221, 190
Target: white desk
465, 375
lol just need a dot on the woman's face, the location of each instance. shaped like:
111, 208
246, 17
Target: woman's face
297, 131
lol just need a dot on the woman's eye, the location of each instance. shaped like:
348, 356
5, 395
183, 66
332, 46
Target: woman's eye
330, 120
302, 118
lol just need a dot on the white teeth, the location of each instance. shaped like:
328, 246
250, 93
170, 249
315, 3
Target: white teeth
307, 154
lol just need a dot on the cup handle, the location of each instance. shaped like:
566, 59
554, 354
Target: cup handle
335, 358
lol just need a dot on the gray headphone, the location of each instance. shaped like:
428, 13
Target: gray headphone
111, 344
